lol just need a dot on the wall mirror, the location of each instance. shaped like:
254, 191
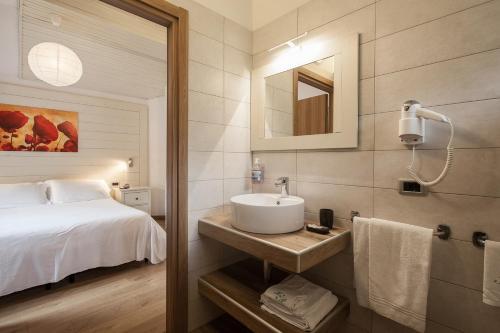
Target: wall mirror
303, 99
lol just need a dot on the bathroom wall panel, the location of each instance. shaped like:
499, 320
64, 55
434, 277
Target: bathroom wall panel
319, 12
461, 179
461, 308
348, 168
341, 198
390, 19
367, 60
206, 79
457, 262
457, 35
466, 88
237, 36
277, 32
366, 96
366, 132
205, 50
237, 62
202, 20
463, 213
206, 108
470, 78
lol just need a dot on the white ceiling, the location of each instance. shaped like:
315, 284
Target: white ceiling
122, 54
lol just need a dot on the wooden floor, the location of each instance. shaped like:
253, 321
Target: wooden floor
128, 298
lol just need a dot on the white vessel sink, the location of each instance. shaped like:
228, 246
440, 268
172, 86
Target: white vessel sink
266, 213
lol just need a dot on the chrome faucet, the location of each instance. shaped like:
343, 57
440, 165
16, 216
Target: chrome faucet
282, 182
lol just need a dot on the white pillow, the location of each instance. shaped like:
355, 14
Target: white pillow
73, 190
22, 195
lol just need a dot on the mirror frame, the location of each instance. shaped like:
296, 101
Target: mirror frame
346, 81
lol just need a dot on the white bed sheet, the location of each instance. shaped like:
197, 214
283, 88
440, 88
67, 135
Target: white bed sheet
46, 243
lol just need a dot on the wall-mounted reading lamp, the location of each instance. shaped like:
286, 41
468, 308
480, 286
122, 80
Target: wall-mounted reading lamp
290, 42
130, 162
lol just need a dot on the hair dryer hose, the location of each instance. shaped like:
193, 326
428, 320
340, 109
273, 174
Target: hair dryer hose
449, 162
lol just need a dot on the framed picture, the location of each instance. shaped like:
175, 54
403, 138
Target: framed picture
26, 128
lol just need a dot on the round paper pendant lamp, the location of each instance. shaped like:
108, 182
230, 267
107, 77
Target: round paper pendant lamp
55, 64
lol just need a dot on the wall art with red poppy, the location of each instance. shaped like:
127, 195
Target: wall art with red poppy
25, 128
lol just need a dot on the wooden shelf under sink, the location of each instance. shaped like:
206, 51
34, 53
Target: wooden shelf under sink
237, 289
295, 252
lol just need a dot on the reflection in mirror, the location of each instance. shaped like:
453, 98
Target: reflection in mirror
300, 100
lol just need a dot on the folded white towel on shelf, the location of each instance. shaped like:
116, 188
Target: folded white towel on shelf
392, 269
491, 279
298, 302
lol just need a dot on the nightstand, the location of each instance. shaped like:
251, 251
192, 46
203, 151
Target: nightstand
137, 197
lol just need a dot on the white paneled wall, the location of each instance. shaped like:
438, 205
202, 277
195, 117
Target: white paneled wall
110, 131
447, 55
219, 137
157, 133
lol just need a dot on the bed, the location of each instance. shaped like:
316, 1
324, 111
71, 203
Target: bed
45, 243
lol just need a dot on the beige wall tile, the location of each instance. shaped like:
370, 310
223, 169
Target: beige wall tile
236, 113
347, 168
338, 269
384, 325
457, 262
205, 137
203, 252
464, 33
392, 15
236, 88
234, 187
476, 126
205, 79
469, 78
341, 198
459, 307
367, 96
269, 187
237, 62
205, 194
205, 50
206, 108
367, 60
202, 19
194, 216
275, 33
237, 165
201, 311
473, 171
205, 165
278, 164
366, 133
361, 22
464, 214
237, 36
318, 12
236, 139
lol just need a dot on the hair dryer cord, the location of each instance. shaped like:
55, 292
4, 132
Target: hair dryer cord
449, 162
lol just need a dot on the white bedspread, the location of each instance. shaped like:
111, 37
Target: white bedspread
46, 243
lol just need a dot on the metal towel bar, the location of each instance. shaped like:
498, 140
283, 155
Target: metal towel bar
479, 238
442, 231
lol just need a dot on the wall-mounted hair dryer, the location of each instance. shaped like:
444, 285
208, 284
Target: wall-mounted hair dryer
412, 132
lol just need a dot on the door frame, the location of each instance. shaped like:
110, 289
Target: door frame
176, 20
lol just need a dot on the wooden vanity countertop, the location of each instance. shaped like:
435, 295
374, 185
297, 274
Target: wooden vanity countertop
295, 252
